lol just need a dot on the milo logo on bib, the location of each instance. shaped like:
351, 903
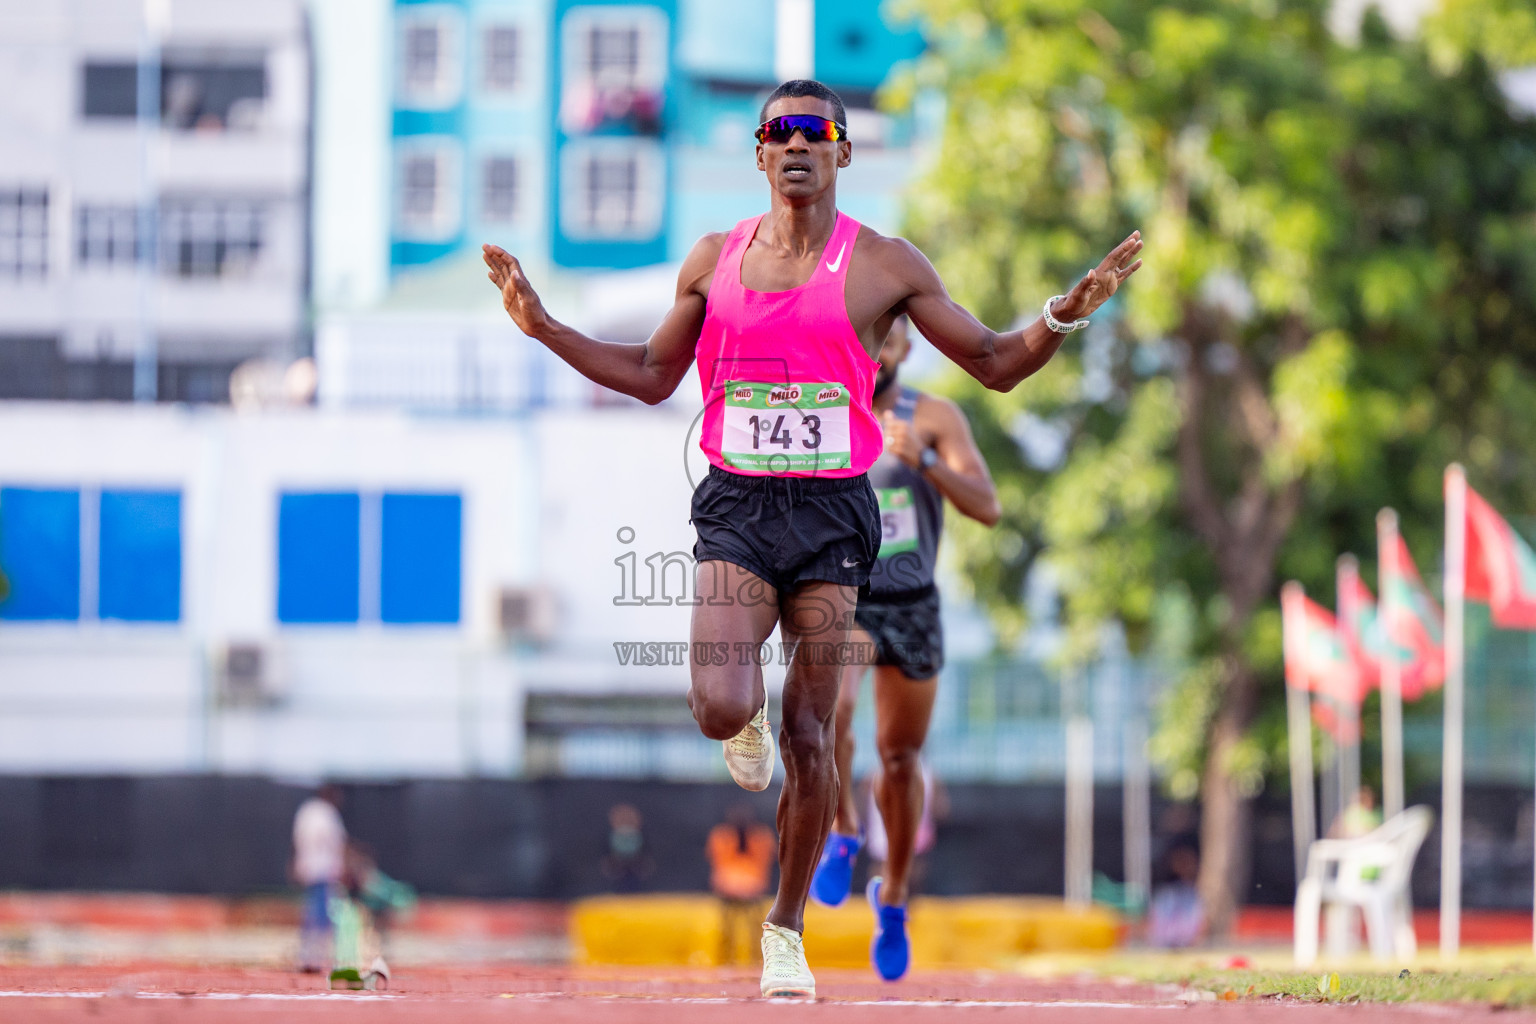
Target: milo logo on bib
785, 428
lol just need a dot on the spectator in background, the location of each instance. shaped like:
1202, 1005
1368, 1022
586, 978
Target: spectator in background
1176, 916
627, 863
319, 858
1360, 818
740, 852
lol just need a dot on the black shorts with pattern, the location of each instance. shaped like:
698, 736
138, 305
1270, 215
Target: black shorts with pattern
905, 629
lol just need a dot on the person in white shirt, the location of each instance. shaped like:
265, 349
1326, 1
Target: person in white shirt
319, 855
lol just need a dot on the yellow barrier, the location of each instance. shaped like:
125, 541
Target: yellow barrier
971, 932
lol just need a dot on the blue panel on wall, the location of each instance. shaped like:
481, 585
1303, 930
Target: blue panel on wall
429, 122
317, 557
413, 254
421, 558
140, 556
40, 553
856, 47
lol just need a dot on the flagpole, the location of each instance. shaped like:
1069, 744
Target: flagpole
1387, 584
1328, 791
1298, 725
1347, 574
1451, 770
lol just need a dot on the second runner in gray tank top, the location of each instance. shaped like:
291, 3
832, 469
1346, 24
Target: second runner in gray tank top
911, 519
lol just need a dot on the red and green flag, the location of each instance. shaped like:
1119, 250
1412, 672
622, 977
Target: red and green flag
1501, 568
1360, 624
1415, 630
1317, 657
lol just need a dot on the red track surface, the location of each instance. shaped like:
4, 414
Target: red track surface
165, 995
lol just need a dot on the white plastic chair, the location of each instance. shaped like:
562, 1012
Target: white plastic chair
1339, 874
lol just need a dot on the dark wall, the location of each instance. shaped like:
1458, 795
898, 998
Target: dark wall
547, 838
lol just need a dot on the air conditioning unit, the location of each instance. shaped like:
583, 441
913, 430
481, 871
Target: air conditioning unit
249, 675
527, 614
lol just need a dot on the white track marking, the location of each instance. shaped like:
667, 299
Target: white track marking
315, 997
277, 997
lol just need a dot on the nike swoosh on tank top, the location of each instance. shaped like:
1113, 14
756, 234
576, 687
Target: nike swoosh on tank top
788, 387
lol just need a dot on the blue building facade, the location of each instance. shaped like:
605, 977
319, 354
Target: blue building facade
603, 134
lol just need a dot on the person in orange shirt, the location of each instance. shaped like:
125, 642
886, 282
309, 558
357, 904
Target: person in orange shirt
740, 852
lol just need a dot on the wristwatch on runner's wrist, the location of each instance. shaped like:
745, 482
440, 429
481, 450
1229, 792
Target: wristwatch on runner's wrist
928, 459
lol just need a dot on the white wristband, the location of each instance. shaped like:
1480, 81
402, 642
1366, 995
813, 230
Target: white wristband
1057, 325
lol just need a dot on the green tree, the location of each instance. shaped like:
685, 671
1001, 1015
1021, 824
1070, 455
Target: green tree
1339, 297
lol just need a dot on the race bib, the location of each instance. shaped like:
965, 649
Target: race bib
785, 428
898, 520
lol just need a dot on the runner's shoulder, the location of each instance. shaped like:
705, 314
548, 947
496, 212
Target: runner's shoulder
891, 252
698, 267
936, 411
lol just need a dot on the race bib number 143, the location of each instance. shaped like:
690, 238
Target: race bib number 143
784, 428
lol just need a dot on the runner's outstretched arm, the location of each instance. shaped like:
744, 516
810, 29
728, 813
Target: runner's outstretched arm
1001, 360
649, 372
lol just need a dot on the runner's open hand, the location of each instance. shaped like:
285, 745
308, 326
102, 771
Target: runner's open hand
1100, 283
900, 439
517, 295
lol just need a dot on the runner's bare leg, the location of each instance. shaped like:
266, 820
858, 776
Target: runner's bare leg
736, 608
816, 618
847, 821
903, 708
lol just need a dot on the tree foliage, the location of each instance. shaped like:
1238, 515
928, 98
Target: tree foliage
1339, 297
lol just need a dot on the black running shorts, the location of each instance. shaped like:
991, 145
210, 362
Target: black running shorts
906, 631
788, 530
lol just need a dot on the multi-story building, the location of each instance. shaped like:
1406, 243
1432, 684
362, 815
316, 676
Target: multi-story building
597, 141
153, 195
607, 135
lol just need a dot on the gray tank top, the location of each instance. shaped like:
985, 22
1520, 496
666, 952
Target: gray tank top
911, 518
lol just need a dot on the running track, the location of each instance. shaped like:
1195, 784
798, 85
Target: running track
169, 995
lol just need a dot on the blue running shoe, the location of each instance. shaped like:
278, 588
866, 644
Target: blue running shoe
834, 873
890, 953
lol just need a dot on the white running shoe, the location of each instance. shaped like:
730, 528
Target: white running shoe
785, 972
749, 754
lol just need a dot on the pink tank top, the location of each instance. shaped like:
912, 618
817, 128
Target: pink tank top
787, 384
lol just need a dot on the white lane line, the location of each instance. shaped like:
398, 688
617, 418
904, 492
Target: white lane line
308, 997
281, 997
1028, 1004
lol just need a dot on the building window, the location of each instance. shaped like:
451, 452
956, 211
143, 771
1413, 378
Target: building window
498, 195
40, 550
23, 232
428, 191
349, 557
213, 92
108, 236
612, 189
140, 558
501, 69
419, 564
130, 538
206, 91
318, 563
210, 237
613, 49
110, 90
429, 69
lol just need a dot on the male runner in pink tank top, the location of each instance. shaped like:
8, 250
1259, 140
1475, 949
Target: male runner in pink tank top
785, 315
